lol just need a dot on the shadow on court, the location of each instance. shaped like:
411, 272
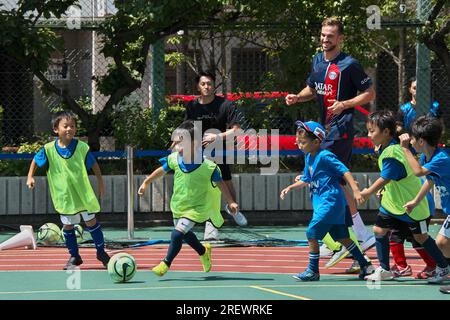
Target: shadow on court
218, 278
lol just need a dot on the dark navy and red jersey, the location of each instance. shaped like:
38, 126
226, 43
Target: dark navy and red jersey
339, 79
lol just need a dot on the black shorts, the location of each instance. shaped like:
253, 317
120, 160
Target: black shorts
401, 232
225, 171
388, 222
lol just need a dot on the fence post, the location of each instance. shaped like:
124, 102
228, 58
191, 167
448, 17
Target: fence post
423, 68
130, 192
157, 76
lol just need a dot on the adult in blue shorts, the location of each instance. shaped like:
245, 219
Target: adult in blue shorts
339, 83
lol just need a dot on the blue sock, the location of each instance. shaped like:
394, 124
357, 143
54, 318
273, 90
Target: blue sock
314, 261
191, 239
357, 254
176, 242
97, 236
382, 245
432, 249
71, 242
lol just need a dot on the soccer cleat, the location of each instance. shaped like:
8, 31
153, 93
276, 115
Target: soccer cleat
161, 269
445, 289
73, 262
205, 259
307, 275
426, 273
337, 257
366, 271
440, 276
380, 275
103, 257
325, 252
238, 217
398, 271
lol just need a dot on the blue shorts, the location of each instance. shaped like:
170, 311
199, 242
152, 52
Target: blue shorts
318, 230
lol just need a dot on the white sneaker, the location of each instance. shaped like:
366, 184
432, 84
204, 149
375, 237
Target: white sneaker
238, 217
325, 252
380, 275
440, 276
368, 243
211, 232
337, 257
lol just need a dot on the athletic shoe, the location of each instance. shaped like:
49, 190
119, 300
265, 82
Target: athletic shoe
398, 271
103, 257
355, 268
73, 262
366, 271
337, 257
426, 273
445, 289
205, 259
440, 276
365, 245
161, 269
238, 217
380, 275
325, 252
307, 275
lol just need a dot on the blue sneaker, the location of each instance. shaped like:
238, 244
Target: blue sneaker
307, 275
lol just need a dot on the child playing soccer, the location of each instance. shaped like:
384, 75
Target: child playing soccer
434, 165
400, 186
196, 194
331, 214
67, 161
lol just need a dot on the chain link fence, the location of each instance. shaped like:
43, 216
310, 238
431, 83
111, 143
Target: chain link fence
242, 60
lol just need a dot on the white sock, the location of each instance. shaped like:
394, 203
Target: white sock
360, 229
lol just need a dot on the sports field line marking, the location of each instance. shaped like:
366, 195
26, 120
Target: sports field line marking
281, 293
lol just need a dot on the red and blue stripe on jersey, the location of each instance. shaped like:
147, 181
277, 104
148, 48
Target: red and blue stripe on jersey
339, 79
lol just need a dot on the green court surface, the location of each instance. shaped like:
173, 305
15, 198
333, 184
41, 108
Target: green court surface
271, 284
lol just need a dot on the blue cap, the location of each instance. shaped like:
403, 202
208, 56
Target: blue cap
314, 127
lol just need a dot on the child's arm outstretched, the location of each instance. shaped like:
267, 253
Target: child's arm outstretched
415, 166
158, 173
348, 177
426, 187
98, 175
377, 185
234, 207
298, 184
30, 179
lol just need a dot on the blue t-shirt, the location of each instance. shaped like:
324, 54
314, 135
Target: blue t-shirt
439, 167
189, 167
338, 79
41, 158
409, 114
323, 172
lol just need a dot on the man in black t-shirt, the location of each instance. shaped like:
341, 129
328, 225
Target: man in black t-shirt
216, 113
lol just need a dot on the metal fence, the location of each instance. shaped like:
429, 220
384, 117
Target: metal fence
241, 60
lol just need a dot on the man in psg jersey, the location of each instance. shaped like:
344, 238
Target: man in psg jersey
339, 83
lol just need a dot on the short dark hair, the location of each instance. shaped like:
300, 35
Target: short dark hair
334, 21
188, 127
207, 73
384, 119
411, 80
307, 134
57, 117
428, 128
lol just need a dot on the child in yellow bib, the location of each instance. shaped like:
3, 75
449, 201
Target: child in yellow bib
196, 194
400, 186
67, 161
